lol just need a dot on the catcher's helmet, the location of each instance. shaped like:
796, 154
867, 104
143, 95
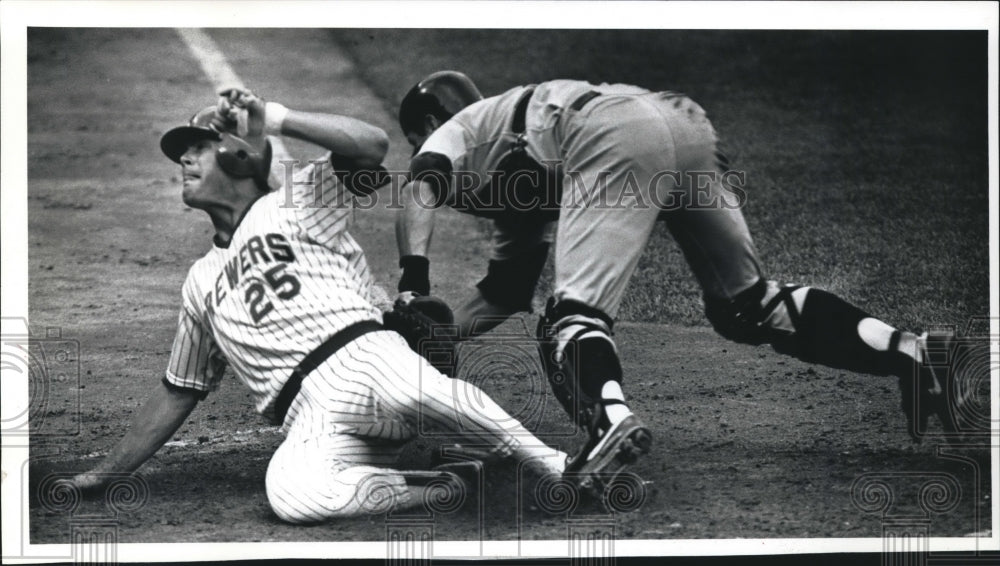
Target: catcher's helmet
234, 155
441, 94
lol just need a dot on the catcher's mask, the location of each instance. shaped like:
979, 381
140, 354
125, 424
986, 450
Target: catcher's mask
441, 94
234, 155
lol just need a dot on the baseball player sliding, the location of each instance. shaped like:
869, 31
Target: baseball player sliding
604, 163
284, 297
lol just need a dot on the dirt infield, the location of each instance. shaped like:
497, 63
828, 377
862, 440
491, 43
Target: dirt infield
749, 444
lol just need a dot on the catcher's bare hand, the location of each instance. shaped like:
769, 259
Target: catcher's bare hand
405, 297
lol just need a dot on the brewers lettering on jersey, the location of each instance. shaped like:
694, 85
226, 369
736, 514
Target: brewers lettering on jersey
284, 298
585, 166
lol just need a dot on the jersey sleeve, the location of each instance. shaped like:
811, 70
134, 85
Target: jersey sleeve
449, 140
441, 157
323, 204
195, 359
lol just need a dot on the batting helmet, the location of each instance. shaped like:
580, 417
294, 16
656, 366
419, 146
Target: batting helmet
441, 94
234, 155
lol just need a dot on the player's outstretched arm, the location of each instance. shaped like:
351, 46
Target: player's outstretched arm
160, 417
414, 228
347, 137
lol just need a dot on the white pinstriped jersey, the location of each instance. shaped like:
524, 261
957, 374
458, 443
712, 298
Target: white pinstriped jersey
290, 278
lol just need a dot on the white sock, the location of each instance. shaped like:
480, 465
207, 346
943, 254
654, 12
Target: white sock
908, 345
877, 335
615, 413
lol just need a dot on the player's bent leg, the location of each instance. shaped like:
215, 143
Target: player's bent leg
413, 390
581, 361
307, 483
816, 326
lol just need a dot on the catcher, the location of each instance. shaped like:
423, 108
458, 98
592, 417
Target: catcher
284, 297
603, 164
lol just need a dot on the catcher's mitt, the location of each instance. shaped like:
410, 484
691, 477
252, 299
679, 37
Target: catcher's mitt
428, 325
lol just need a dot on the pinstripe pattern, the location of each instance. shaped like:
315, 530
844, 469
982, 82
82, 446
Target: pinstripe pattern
347, 426
334, 290
291, 277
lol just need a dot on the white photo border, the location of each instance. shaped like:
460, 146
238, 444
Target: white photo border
17, 16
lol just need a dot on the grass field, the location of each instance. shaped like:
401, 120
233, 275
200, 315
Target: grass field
865, 152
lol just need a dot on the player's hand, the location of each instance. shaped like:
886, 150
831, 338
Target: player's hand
86, 483
243, 112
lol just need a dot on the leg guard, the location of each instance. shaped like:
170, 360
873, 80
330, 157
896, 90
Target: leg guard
579, 356
810, 324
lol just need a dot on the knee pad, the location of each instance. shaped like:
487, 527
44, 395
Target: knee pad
578, 353
810, 324
764, 313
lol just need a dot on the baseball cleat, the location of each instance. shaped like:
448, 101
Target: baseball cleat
598, 464
948, 384
922, 389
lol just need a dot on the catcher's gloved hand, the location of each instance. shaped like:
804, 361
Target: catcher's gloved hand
428, 325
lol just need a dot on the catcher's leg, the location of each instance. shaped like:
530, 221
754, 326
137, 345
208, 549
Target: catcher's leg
520, 248
614, 150
816, 326
810, 324
582, 365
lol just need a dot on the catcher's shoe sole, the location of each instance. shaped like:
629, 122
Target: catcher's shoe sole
620, 447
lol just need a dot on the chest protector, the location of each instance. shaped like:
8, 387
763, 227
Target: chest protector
518, 185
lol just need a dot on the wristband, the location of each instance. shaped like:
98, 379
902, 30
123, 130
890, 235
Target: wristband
416, 275
274, 117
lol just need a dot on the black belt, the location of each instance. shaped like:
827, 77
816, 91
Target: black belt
518, 124
314, 359
583, 99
